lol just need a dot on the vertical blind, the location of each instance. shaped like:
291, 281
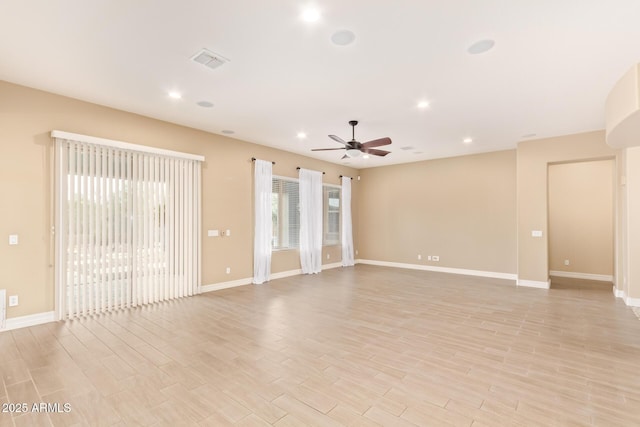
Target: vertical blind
285, 213
128, 227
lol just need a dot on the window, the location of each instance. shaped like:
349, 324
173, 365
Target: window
285, 213
127, 225
331, 207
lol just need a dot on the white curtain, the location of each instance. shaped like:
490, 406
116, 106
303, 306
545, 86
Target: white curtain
263, 229
127, 227
310, 221
347, 232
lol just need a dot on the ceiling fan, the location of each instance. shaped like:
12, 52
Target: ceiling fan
354, 148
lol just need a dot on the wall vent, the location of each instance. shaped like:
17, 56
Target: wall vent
209, 59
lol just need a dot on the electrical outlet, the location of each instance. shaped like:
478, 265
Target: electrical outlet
228, 270
356, 252
435, 257
419, 257
328, 256
13, 239
566, 262
13, 300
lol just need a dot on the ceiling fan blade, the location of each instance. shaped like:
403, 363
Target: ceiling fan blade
377, 142
326, 149
338, 139
375, 152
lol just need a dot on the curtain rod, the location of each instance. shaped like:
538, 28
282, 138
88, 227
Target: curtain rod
253, 159
298, 168
344, 176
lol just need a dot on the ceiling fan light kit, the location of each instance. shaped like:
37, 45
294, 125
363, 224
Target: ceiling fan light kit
353, 152
354, 148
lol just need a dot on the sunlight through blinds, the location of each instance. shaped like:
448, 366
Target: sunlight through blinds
128, 227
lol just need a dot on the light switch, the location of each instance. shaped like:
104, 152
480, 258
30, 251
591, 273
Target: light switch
228, 233
536, 233
212, 233
13, 239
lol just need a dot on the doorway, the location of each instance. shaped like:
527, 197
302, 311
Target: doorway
581, 222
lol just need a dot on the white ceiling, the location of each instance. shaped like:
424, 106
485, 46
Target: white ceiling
553, 64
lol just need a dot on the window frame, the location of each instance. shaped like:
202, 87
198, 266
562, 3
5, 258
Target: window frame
280, 211
325, 215
326, 188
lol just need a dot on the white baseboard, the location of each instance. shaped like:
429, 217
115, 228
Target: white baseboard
619, 293
332, 265
226, 285
632, 302
534, 284
585, 276
29, 320
479, 273
249, 280
283, 274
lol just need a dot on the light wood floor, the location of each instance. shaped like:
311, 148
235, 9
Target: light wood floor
360, 346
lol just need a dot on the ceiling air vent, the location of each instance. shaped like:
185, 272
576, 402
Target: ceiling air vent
209, 59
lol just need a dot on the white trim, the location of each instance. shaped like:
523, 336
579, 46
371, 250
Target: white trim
289, 273
226, 285
59, 229
283, 274
632, 302
534, 284
618, 293
30, 320
479, 273
249, 280
585, 276
285, 178
124, 145
332, 265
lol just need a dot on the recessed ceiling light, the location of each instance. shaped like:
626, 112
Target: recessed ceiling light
343, 37
228, 132
423, 104
310, 15
204, 104
301, 135
175, 95
467, 140
481, 46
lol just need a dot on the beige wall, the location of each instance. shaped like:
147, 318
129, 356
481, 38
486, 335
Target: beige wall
462, 209
475, 212
27, 117
622, 110
631, 252
533, 159
581, 214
